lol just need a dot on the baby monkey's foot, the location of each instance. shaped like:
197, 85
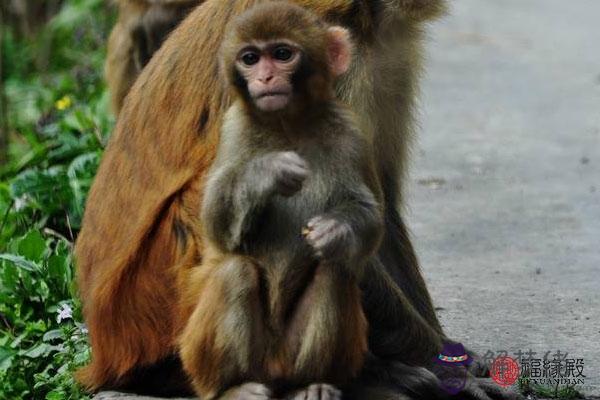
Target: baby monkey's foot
317, 391
248, 391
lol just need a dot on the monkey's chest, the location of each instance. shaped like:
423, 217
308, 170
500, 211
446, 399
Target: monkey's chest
281, 247
283, 220
286, 259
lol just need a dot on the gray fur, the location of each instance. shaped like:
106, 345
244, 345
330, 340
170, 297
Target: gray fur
249, 208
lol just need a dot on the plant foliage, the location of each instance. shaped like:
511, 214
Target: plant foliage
58, 124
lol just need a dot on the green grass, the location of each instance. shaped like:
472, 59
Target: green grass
58, 122
549, 392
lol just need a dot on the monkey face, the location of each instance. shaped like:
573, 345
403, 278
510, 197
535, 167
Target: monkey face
268, 68
281, 60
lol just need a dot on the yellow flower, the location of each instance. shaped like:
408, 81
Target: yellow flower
63, 103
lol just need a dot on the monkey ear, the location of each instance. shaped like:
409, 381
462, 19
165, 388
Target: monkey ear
339, 48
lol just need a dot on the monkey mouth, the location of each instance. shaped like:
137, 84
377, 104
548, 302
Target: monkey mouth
272, 94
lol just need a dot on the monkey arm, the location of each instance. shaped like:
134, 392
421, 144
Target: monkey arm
230, 206
235, 197
363, 214
348, 233
216, 215
352, 227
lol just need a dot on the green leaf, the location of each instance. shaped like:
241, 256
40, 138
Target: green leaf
41, 350
43, 290
37, 327
48, 189
32, 246
9, 277
21, 262
57, 268
56, 395
82, 358
17, 342
52, 335
80, 173
6, 356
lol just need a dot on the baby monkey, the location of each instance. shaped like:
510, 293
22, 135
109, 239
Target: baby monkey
292, 212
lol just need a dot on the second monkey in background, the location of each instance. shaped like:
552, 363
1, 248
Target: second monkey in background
292, 213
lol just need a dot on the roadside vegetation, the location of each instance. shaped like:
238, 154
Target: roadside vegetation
55, 123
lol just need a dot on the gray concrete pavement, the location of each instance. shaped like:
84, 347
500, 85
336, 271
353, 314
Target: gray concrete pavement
504, 194
504, 199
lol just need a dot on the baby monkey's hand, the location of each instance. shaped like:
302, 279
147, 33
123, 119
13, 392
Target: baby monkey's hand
332, 239
289, 172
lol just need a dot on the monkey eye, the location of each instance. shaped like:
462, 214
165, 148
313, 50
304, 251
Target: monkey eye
250, 58
283, 53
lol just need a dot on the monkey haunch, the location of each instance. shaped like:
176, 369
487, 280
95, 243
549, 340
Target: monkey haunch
284, 307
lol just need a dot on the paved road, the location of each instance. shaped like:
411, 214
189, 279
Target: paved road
504, 199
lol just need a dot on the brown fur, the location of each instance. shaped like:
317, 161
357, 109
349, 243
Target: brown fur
141, 236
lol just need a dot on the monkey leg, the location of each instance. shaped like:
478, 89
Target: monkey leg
397, 331
223, 342
327, 335
387, 380
317, 391
383, 380
401, 271
398, 257
247, 391
401, 335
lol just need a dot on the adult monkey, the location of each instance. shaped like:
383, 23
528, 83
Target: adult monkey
140, 30
141, 236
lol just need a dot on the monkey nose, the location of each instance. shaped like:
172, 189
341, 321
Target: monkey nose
266, 79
